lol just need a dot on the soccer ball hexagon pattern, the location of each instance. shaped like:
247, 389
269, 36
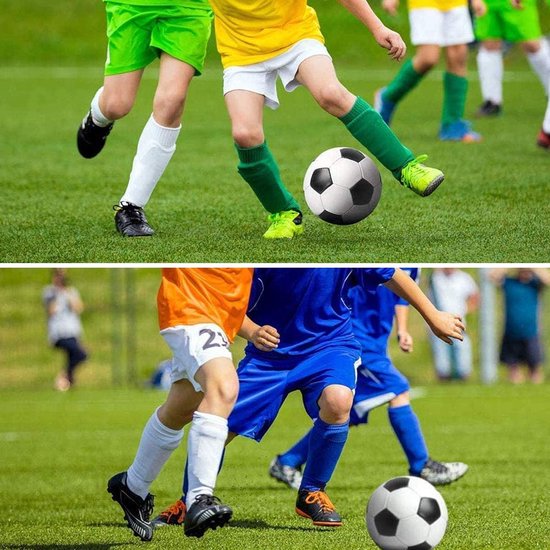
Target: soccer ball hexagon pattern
342, 186
406, 513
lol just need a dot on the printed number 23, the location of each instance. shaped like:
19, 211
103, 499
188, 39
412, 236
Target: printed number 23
214, 339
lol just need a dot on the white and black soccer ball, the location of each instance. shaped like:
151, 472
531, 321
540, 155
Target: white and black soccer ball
342, 186
406, 513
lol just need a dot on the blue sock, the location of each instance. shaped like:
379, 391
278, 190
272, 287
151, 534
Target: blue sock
296, 456
325, 447
406, 426
186, 478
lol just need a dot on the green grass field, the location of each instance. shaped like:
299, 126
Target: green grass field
57, 206
58, 450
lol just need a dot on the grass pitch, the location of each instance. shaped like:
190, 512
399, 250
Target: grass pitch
493, 206
58, 450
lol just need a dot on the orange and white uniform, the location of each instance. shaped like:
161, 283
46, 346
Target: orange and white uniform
200, 312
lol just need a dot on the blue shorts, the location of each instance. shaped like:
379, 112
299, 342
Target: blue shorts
378, 382
264, 385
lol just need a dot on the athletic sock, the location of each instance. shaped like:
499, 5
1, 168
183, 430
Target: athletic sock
490, 67
155, 447
325, 447
155, 149
259, 169
546, 121
403, 82
540, 63
406, 426
185, 485
98, 117
455, 89
367, 127
204, 453
296, 456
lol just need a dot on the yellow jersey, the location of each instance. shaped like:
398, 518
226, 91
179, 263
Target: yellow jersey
440, 5
251, 31
188, 296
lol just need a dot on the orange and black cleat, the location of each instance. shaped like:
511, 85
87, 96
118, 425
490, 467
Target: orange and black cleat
316, 506
173, 515
543, 140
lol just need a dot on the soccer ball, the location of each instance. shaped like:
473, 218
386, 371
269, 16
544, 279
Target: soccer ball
406, 513
342, 186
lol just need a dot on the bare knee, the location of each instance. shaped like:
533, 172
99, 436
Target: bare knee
168, 107
400, 400
219, 397
247, 135
115, 106
531, 46
335, 99
335, 404
492, 45
426, 59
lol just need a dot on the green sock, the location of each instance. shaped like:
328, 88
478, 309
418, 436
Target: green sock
259, 169
403, 82
455, 89
367, 126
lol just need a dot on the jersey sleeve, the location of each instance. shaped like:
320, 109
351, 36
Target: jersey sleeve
369, 278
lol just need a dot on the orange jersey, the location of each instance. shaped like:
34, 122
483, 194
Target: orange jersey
188, 296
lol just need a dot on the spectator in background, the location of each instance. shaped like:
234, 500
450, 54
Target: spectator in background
521, 343
63, 307
453, 290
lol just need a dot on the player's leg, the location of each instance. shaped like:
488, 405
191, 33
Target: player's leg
257, 165
442, 358
317, 74
76, 355
463, 356
490, 68
543, 139
62, 382
538, 54
156, 146
161, 436
207, 437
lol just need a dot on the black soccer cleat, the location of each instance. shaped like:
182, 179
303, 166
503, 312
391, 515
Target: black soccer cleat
316, 506
207, 512
489, 109
130, 221
90, 138
137, 510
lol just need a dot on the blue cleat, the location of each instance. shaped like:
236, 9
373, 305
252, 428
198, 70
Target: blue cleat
460, 130
383, 106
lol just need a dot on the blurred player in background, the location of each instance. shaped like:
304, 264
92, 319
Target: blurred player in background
436, 24
543, 139
301, 338
378, 382
514, 21
454, 289
138, 32
521, 341
200, 311
63, 307
260, 42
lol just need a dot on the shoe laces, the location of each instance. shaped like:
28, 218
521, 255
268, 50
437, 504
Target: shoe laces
321, 498
413, 168
208, 500
280, 218
133, 212
437, 467
175, 510
148, 505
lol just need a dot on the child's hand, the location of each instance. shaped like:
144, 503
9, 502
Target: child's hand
479, 8
517, 4
405, 341
446, 326
391, 6
392, 41
265, 338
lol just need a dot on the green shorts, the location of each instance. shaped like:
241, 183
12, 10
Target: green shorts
504, 22
138, 34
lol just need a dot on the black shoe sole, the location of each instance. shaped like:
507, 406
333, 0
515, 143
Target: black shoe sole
433, 186
213, 522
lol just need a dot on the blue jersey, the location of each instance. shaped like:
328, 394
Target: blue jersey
373, 313
522, 307
307, 306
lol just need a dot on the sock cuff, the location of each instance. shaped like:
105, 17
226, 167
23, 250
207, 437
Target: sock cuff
454, 79
164, 135
249, 155
400, 411
165, 430
202, 417
359, 107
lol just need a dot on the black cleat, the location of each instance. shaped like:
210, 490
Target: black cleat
489, 109
316, 506
130, 221
136, 510
90, 138
207, 512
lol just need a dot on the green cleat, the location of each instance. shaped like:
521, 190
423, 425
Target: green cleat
421, 179
284, 225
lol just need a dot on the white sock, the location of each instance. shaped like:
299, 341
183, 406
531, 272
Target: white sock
155, 447
204, 453
490, 68
546, 121
97, 116
155, 149
540, 63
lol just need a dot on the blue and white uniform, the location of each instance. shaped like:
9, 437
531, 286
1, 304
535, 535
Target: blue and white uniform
378, 380
317, 345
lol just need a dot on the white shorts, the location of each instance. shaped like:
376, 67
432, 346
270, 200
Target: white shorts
192, 346
441, 28
261, 78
